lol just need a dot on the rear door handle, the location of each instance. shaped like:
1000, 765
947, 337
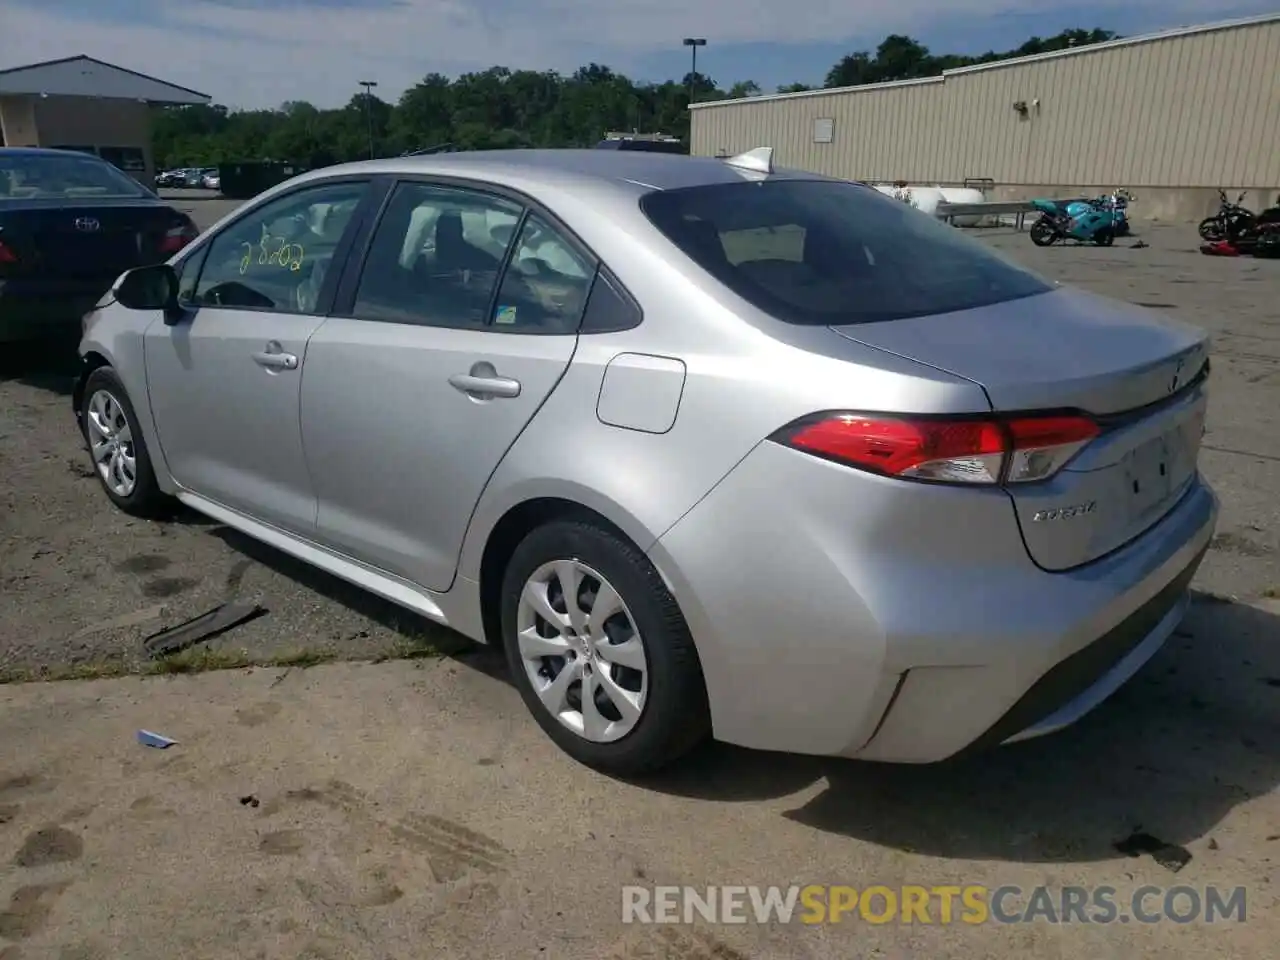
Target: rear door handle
486, 386
276, 361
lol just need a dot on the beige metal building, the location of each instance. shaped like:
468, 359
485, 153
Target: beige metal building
85, 104
1170, 116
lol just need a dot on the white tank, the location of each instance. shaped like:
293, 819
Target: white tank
924, 199
927, 199
963, 195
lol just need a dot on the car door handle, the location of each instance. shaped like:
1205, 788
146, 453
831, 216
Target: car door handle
276, 361
491, 386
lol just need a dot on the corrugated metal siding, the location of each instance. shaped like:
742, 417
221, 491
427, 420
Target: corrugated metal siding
1195, 110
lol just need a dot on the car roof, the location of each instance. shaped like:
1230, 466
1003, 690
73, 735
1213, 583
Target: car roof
627, 171
44, 152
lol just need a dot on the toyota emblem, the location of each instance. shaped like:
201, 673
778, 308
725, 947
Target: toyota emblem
88, 225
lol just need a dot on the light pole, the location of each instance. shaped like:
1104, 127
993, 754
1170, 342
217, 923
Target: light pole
693, 43
368, 109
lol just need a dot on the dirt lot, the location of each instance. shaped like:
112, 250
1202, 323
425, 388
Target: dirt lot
405, 810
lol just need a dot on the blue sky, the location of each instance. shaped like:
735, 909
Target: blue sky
256, 53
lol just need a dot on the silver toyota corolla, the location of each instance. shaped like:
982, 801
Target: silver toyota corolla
708, 447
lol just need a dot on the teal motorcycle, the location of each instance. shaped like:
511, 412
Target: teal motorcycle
1096, 222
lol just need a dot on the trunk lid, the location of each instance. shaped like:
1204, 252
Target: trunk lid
96, 240
1065, 348
1139, 374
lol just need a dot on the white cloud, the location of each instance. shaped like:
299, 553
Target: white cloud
263, 56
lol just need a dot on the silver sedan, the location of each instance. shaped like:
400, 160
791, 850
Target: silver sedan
709, 447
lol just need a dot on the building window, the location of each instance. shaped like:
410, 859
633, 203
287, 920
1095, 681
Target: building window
128, 159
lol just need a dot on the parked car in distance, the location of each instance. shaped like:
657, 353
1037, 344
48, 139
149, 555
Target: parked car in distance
643, 143
211, 181
194, 179
171, 178
70, 224
696, 441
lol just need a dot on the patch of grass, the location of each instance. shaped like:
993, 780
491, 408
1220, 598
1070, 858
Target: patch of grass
204, 660
301, 658
411, 648
199, 660
74, 671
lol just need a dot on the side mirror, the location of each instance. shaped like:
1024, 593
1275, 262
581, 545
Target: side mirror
153, 287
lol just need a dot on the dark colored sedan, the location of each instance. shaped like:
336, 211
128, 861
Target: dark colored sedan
69, 225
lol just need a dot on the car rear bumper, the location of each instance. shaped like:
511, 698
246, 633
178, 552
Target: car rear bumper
38, 307
840, 613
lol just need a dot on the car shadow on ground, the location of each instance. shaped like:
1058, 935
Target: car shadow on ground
1195, 734
46, 364
411, 626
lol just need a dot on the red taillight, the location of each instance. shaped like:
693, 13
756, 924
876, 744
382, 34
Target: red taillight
945, 450
6, 254
178, 237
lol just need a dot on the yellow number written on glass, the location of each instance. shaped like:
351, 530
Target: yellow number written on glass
272, 252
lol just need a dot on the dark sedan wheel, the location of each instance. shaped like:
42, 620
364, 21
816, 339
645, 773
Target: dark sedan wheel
116, 444
600, 651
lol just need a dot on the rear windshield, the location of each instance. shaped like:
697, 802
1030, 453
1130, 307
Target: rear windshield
63, 177
832, 252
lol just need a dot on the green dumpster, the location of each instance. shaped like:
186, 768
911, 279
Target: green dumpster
240, 181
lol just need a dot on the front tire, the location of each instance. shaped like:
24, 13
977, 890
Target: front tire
1211, 229
116, 445
600, 651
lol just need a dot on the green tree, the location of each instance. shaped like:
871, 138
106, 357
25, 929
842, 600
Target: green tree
500, 107
902, 58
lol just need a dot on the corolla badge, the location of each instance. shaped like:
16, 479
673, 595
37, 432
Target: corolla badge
1065, 513
88, 225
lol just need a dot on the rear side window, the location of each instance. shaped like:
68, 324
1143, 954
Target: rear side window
435, 257
833, 253
67, 176
545, 286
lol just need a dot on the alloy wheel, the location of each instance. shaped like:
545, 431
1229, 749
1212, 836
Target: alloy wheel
581, 651
111, 443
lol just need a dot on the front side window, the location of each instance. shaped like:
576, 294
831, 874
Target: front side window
35, 176
435, 257
545, 287
188, 271
828, 252
277, 257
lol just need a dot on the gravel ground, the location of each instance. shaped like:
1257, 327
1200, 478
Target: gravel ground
84, 584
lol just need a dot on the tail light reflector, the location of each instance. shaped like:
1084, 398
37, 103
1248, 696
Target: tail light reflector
944, 450
178, 237
6, 254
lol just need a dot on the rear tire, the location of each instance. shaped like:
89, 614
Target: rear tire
1043, 234
117, 448
645, 659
